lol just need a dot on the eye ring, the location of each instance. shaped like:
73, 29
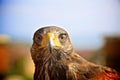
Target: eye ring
62, 37
39, 37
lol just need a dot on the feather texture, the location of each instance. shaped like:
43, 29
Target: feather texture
61, 62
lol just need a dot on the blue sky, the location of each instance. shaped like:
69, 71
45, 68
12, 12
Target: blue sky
87, 21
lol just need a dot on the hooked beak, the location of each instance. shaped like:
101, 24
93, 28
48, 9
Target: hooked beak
50, 44
53, 42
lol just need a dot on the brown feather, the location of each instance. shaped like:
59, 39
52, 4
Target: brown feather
64, 63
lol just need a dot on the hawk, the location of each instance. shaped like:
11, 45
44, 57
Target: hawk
55, 58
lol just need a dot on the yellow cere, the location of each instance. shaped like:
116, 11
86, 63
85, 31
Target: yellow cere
55, 39
50, 35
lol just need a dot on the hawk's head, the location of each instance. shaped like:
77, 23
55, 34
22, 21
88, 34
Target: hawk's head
50, 42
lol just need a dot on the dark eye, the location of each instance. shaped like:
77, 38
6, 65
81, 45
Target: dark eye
39, 37
62, 36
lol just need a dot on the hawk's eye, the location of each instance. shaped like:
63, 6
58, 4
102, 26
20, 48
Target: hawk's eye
39, 37
62, 37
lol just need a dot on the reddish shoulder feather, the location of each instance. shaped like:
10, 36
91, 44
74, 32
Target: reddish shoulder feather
107, 76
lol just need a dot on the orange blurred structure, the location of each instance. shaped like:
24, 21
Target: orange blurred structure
4, 60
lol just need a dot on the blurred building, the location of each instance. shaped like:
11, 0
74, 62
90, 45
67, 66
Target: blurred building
4, 60
112, 51
109, 54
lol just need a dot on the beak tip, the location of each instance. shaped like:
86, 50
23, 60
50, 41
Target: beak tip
50, 45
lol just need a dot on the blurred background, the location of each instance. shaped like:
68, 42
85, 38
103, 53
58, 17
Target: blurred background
93, 26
